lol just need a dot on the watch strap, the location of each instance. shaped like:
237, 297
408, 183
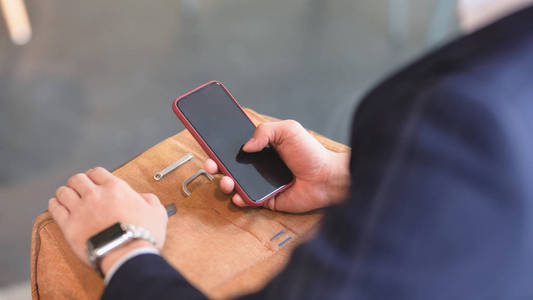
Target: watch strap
141, 233
134, 232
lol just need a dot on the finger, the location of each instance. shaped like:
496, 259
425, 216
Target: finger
58, 212
271, 203
237, 200
99, 175
273, 133
81, 184
227, 185
151, 199
210, 166
67, 197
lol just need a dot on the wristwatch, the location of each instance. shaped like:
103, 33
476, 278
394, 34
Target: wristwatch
112, 237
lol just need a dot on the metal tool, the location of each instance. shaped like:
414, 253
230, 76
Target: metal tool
193, 177
285, 241
277, 235
171, 209
173, 166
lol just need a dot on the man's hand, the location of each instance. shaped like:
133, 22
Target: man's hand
95, 200
322, 177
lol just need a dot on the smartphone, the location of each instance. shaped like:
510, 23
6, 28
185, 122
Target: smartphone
221, 127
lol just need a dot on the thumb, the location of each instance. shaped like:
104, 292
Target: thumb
273, 133
253, 145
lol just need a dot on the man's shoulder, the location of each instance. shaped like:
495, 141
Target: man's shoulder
494, 62
470, 94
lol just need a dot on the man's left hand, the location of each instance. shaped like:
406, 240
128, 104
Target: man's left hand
95, 200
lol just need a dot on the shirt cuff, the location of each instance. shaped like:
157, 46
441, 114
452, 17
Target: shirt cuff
133, 253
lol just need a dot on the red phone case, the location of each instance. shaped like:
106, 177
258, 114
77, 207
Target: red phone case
210, 152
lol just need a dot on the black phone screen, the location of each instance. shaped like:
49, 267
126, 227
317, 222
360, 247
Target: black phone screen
225, 129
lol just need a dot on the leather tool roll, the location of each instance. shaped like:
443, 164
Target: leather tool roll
223, 250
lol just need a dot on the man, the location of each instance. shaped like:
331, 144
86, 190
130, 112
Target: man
439, 202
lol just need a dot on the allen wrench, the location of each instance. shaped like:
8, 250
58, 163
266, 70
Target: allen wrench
173, 166
193, 177
171, 209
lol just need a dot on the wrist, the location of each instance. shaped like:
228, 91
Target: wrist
339, 179
108, 260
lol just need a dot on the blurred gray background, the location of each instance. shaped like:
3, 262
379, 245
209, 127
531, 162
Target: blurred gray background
94, 84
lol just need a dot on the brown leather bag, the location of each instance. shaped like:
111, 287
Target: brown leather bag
221, 249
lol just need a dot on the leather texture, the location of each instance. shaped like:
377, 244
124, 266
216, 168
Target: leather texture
222, 250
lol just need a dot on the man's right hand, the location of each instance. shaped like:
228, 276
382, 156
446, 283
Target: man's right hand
322, 177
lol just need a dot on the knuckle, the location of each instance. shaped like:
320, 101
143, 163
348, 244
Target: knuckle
60, 190
91, 194
74, 178
153, 198
115, 182
78, 176
260, 128
264, 131
70, 181
99, 169
292, 124
117, 186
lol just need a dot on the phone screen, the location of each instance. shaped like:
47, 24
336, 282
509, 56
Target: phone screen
225, 128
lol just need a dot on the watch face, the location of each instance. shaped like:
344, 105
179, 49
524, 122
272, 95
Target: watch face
107, 235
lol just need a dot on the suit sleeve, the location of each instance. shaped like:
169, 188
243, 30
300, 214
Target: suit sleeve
149, 276
433, 213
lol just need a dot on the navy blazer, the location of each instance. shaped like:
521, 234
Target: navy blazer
441, 201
